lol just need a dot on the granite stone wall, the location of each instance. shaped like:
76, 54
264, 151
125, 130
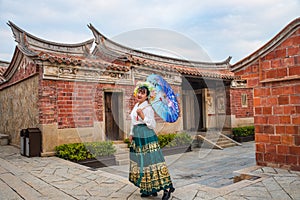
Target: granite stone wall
19, 108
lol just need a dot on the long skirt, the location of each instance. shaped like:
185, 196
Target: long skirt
148, 169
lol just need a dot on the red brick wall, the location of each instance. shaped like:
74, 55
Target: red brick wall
236, 102
275, 78
74, 104
25, 70
47, 102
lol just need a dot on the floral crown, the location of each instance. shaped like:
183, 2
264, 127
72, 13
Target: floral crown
148, 85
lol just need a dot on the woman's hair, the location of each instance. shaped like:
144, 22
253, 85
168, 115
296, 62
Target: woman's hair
148, 87
145, 88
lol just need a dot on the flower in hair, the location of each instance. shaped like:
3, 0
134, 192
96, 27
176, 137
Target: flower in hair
146, 84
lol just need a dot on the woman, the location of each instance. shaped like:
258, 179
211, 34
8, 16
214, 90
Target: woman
148, 169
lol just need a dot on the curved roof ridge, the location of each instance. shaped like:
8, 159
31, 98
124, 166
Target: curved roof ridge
26, 40
284, 33
4, 63
108, 44
3, 67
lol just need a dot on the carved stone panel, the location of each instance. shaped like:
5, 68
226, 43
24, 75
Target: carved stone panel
85, 74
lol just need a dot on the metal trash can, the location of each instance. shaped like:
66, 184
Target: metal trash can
33, 142
22, 141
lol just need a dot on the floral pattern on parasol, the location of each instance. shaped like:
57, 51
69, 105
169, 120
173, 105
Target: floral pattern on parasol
163, 99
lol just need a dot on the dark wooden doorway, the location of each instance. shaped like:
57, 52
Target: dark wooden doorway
192, 111
199, 112
113, 115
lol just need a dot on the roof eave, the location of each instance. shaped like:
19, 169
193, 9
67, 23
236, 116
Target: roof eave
110, 45
26, 40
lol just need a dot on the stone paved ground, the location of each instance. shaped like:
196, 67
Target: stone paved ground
201, 174
210, 167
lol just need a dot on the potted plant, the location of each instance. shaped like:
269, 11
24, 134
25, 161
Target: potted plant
92, 154
243, 134
175, 143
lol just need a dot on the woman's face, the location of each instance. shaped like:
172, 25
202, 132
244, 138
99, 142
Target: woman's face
141, 95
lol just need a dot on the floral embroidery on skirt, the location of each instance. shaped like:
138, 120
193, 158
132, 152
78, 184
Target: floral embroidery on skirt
148, 169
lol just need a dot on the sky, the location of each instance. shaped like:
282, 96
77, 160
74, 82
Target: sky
218, 28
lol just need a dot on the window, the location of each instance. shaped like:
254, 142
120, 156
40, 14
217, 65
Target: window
244, 100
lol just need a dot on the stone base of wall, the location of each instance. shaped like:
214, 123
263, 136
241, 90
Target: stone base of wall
52, 136
239, 122
220, 121
165, 127
4, 139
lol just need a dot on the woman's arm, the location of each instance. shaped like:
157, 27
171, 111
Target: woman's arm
147, 115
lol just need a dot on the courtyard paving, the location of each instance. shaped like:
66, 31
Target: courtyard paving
200, 174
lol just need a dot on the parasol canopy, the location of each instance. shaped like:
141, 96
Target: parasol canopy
163, 101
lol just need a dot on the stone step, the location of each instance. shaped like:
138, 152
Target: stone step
123, 162
122, 153
221, 138
121, 145
122, 150
122, 156
4, 139
225, 145
215, 140
228, 145
224, 142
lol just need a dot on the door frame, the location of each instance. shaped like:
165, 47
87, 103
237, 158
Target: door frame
120, 123
189, 103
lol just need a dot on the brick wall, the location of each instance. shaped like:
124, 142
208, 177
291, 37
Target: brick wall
275, 79
277, 114
24, 69
237, 109
75, 104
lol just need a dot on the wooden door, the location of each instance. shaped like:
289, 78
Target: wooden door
192, 110
113, 115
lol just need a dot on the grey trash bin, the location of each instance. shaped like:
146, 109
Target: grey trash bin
33, 141
22, 141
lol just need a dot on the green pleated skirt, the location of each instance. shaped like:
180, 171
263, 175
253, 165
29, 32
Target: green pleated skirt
148, 169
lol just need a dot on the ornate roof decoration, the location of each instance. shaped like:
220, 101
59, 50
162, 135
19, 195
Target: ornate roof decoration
115, 50
13, 66
186, 70
59, 58
214, 74
3, 64
27, 43
109, 62
269, 46
3, 67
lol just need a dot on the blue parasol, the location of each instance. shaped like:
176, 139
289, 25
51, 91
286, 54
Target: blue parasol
163, 100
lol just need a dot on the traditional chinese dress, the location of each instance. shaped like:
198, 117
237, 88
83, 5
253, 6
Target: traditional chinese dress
148, 169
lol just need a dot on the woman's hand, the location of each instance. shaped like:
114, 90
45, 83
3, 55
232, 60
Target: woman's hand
140, 113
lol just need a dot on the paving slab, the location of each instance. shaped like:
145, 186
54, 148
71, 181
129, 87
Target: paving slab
200, 174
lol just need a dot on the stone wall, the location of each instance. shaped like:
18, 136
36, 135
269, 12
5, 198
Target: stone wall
19, 108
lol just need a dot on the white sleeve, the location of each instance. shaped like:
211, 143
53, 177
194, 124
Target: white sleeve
149, 119
133, 119
131, 129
